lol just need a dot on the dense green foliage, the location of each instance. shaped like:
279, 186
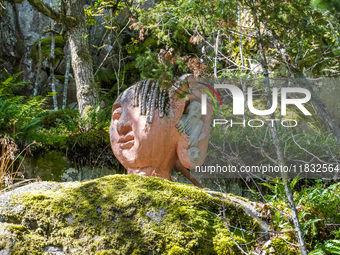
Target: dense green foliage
319, 211
54, 134
19, 117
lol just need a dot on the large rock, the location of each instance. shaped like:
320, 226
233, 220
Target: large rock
122, 214
19, 31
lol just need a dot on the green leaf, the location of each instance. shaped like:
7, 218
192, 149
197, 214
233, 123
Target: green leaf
316, 252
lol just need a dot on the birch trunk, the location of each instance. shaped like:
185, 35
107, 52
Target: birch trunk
67, 74
87, 92
243, 83
37, 77
216, 53
54, 97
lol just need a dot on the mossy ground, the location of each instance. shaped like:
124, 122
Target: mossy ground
124, 214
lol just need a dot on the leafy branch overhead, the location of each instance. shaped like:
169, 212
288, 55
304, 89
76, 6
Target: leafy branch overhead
45, 9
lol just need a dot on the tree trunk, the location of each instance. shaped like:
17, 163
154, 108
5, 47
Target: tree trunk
37, 78
243, 83
67, 74
87, 91
52, 79
216, 53
239, 12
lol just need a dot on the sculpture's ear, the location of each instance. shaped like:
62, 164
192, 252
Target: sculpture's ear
182, 150
193, 142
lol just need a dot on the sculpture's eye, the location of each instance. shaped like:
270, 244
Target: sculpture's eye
116, 116
117, 112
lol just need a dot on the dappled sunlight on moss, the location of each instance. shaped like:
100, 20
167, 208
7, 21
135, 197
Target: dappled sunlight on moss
125, 214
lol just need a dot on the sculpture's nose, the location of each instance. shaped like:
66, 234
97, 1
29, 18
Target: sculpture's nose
123, 125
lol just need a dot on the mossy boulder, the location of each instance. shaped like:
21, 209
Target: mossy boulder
122, 214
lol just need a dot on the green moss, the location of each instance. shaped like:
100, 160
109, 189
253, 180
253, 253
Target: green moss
104, 76
18, 229
110, 252
59, 41
46, 49
20, 45
90, 148
280, 246
61, 78
225, 244
84, 54
128, 214
50, 166
150, 41
176, 250
92, 139
51, 120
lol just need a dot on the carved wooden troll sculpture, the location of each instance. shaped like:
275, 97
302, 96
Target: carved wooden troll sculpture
155, 129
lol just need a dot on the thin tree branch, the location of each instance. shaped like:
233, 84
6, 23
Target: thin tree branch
307, 151
101, 64
319, 62
40, 6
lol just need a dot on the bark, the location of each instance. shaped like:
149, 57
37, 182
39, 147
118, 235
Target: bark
243, 83
239, 12
216, 53
45, 9
37, 78
67, 74
54, 97
276, 139
75, 22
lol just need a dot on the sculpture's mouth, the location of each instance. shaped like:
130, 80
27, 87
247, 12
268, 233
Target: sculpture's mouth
126, 142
